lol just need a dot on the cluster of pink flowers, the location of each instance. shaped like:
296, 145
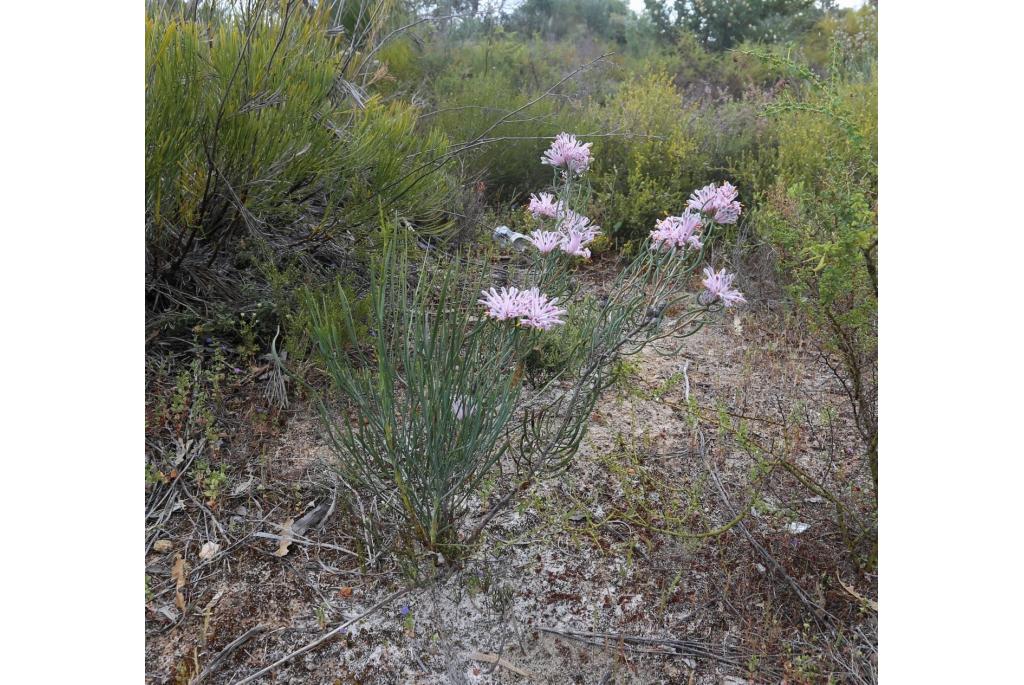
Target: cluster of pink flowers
546, 241
719, 286
568, 153
719, 202
533, 308
677, 231
545, 205
574, 232
577, 232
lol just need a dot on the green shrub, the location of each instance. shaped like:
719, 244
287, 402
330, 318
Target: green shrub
820, 218
409, 381
649, 171
252, 137
427, 401
481, 82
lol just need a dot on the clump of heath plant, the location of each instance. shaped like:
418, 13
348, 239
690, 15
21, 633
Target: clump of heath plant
432, 404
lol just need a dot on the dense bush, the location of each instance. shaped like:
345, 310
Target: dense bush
606, 19
667, 120
647, 171
820, 217
258, 148
484, 82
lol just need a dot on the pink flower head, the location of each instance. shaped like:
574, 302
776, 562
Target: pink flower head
727, 193
545, 205
545, 241
719, 202
577, 232
503, 305
703, 199
538, 311
719, 287
569, 220
568, 153
677, 231
574, 242
728, 214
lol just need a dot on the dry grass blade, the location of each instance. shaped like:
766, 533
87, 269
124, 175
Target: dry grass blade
489, 658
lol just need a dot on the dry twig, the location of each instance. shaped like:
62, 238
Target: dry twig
232, 646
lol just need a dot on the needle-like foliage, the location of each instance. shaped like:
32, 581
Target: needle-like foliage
257, 135
434, 400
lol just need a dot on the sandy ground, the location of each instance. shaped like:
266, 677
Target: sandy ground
597, 550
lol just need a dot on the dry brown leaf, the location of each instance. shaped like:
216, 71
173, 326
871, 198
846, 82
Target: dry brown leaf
286, 538
163, 546
178, 572
178, 576
209, 551
856, 595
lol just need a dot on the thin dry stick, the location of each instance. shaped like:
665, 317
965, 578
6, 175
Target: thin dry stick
235, 644
541, 96
302, 540
684, 648
319, 641
819, 612
500, 661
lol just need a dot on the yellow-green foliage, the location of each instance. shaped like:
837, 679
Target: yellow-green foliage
249, 131
827, 129
483, 82
855, 32
820, 217
645, 173
826, 184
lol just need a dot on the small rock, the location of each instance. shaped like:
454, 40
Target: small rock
168, 612
209, 550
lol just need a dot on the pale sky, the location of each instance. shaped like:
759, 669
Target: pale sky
638, 5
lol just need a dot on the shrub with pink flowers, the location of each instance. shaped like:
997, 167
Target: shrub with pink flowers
452, 340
